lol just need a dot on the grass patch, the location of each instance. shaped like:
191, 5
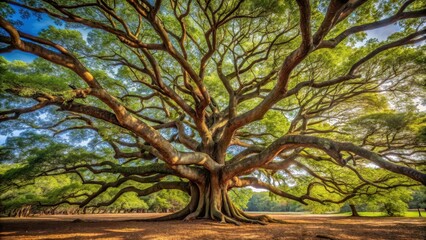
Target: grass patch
410, 214
381, 214
415, 214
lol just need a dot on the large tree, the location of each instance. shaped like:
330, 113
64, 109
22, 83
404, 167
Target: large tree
206, 96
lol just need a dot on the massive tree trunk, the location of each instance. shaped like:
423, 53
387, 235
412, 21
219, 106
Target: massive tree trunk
210, 200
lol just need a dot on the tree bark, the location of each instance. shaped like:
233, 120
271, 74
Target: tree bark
354, 211
210, 200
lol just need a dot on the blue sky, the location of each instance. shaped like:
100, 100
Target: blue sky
33, 26
383, 33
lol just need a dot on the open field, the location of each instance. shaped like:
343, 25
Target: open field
113, 226
410, 214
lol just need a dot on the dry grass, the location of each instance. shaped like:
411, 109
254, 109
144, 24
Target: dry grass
108, 226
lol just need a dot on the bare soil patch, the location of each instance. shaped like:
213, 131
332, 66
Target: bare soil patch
114, 226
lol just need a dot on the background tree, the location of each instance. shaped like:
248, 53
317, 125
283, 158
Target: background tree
241, 197
266, 202
207, 96
419, 200
395, 203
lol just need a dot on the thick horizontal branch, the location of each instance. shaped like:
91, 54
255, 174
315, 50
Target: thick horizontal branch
183, 186
125, 119
105, 186
331, 147
15, 113
331, 43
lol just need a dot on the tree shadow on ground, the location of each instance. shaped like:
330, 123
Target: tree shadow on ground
320, 228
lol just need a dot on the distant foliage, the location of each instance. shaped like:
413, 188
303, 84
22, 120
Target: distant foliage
265, 202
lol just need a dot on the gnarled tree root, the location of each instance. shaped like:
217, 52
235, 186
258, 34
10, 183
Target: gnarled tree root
219, 207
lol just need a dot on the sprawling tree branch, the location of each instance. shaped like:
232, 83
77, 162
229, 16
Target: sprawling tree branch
218, 94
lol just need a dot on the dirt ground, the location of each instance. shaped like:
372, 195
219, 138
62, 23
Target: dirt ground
114, 226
